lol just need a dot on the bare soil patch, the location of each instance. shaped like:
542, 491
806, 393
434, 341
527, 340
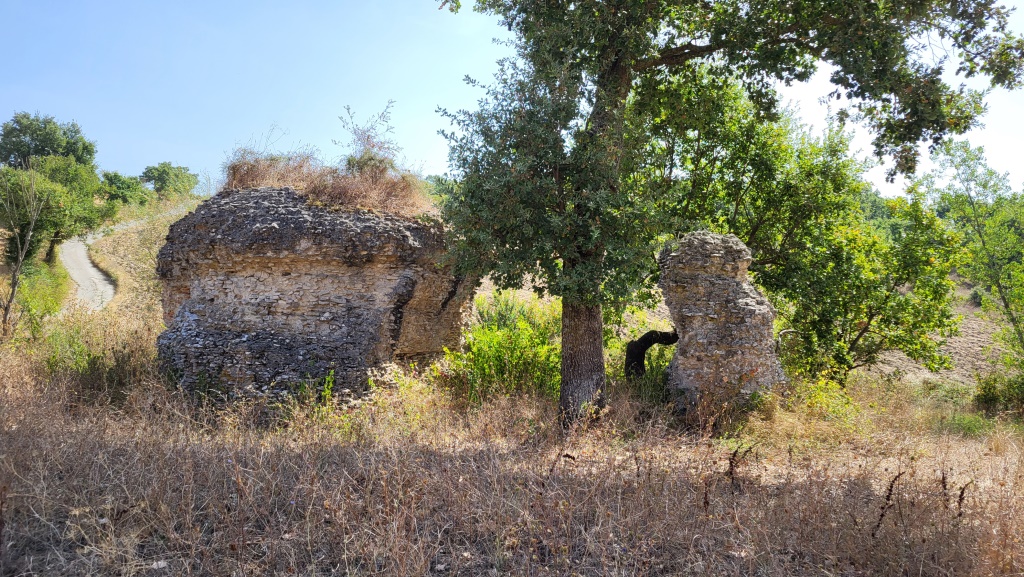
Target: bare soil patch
973, 351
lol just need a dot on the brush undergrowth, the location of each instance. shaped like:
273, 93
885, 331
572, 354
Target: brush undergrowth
44, 289
512, 347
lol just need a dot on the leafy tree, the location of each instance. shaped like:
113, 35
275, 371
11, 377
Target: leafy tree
168, 180
546, 191
839, 261
979, 202
29, 135
858, 291
796, 201
24, 195
124, 189
713, 160
75, 209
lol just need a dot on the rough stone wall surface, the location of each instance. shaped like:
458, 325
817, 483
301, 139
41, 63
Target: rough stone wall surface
263, 290
725, 348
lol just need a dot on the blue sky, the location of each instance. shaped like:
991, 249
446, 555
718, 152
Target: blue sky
189, 81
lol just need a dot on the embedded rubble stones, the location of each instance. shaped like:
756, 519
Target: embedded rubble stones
262, 291
725, 350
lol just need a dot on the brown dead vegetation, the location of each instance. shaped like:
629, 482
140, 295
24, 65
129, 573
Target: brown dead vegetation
105, 471
374, 185
369, 177
407, 485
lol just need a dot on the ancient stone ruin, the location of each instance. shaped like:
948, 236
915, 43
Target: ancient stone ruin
725, 349
263, 290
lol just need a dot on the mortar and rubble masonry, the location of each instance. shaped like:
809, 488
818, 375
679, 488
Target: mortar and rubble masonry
263, 290
726, 350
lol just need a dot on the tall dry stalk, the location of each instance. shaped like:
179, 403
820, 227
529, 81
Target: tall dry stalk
368, 178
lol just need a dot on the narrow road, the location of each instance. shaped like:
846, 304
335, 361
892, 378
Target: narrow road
95, 288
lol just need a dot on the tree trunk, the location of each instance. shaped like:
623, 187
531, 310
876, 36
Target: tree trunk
51, 251
582, 360
7, 322
636, 351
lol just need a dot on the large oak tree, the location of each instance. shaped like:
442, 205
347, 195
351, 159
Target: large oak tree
544, 193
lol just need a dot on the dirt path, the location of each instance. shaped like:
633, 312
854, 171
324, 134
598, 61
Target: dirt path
95, 287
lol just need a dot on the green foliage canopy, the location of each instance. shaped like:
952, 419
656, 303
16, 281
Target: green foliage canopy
979, 202
168, 180
124, 189
858, 291
30, 135
546, 188
20, 188
78, 208
846, 289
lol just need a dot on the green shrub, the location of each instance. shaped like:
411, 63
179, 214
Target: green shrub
1000, 392
977, 297
826, 398
966, 424
948, 392
652, 386
43, 290
512, 347
101, 356
628, 324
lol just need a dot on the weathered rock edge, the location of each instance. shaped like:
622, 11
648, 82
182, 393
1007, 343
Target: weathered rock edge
726, 350
262, 290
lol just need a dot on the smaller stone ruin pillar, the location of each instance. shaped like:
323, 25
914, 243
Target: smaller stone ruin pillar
725, 351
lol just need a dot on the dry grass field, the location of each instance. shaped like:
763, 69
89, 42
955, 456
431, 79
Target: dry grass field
104, 470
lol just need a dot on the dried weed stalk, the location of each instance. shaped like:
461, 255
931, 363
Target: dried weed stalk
368, 178
405, 484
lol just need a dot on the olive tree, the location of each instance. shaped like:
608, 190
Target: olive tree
544, 188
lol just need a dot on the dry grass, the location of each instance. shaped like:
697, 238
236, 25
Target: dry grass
128, 254
406, 484
104, 471
368, 185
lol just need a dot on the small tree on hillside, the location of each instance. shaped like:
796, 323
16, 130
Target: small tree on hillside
124, 189
21, 207
78, 207
170, 180
979, 202
544, 188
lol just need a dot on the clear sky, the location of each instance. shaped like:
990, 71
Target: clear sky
188, 81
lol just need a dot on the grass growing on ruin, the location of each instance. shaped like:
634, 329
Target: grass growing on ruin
367, 182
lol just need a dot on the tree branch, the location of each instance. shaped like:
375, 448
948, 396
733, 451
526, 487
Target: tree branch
677, 55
